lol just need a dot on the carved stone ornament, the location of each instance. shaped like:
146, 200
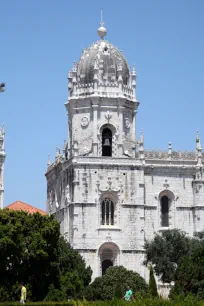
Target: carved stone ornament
50, 200
57, 204
67, 195
85, 146
84, 121
127, 146
127, 123
108, 237
108, 116
109, 186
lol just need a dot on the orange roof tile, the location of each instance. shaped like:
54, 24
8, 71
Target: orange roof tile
18, 205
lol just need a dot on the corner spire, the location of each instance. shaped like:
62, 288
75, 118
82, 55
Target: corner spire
198, 144
102, 30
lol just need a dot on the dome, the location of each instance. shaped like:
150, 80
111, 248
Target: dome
107, 58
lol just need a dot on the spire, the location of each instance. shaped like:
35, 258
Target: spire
64, 146
141, 147
70, 85
102, 30
3, 130
142, 137
57, 152
48, 161
198, 144
169, 149
133, 78
199, 150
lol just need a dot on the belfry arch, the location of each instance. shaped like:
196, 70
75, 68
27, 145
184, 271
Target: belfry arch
107, 145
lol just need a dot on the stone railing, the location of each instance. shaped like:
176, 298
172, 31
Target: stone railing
175, 155
104, 90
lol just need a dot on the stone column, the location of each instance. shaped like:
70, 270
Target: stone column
95, 122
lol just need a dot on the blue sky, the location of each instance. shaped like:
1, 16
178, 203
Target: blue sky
41, 39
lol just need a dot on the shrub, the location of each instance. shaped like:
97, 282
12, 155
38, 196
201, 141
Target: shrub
114, 283
152, 283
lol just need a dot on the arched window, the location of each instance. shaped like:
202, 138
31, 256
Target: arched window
106, 142
107, 212
164, 211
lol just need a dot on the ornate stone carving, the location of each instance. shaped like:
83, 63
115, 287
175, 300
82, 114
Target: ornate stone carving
108, 116
179, 155
166, 185
85, 145
67, 196
50, 200
84, 121
109, 186
127, 123
132, 245
108, 237
128, 144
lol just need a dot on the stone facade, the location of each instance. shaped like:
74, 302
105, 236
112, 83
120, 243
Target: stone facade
108, 193
2, 159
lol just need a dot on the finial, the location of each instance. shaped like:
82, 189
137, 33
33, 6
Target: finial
197, 136
102, 30
74, 69
57, 152
169, 149
141, 136
70, 75
102, 23
133, 70
48, 161
198, 144
3, 129
64, 146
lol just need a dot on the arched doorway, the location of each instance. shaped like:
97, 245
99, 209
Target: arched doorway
105, 265
106, 142
108, 256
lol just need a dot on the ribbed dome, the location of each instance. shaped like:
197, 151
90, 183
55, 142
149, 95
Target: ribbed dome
108, 59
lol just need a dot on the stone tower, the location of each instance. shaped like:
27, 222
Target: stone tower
94, 192
109, 193
2, 159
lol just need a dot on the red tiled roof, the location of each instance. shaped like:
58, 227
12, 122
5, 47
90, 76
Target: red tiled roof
18, 205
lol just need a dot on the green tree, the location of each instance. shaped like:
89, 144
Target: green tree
152, 283
189, 276
32, 251
165, 252
114, 283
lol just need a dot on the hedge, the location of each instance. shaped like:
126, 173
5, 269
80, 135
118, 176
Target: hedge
189, 301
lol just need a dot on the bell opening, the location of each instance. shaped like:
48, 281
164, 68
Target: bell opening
106, 142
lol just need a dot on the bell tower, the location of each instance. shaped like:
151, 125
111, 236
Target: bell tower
94, 182
102, 103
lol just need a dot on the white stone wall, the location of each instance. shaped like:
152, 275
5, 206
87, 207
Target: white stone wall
137, 213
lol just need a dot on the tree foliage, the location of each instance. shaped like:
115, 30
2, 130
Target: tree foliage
32, 251
179, 258
152, 283
166, 251
190, 272
114, 283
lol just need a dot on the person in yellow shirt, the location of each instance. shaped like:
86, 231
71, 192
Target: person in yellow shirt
23, 294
